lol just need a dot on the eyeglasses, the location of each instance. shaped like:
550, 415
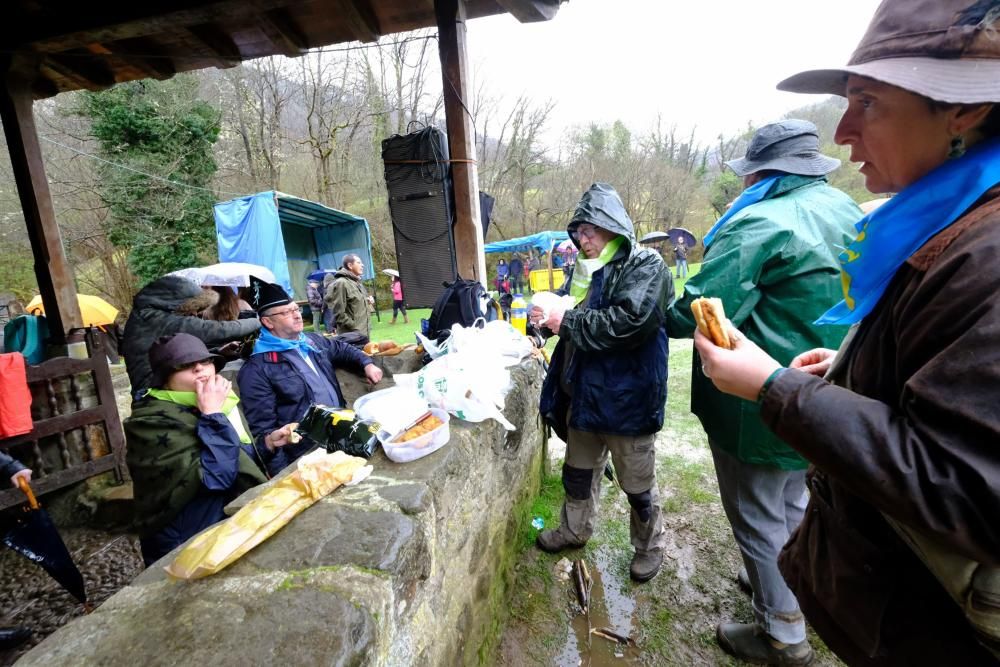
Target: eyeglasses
282, 313
588, 231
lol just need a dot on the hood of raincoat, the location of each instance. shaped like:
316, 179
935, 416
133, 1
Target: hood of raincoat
170, 293
602, 207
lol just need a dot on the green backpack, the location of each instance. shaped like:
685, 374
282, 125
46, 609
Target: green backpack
27, 334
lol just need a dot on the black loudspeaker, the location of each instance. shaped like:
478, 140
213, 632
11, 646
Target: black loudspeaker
421, 203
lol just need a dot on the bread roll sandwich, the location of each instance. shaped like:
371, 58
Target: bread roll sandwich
711, 319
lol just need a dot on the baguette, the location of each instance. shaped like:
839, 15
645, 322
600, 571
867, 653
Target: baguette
711, 319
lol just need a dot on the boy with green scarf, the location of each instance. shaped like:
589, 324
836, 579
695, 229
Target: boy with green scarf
188, 452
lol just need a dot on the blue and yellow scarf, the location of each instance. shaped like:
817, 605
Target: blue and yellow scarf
890, 234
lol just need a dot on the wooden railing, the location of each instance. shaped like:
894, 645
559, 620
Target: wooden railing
51, 432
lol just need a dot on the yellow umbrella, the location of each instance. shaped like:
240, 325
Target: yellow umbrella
94, 309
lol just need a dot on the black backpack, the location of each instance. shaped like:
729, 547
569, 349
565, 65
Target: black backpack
461, 303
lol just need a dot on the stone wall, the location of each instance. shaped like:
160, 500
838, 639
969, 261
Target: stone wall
411, 567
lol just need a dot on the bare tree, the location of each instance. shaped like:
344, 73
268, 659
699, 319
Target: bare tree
261, 92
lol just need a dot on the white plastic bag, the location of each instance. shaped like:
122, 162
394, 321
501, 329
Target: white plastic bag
470, 386
496, 339
392, 409
432, 348
549, 300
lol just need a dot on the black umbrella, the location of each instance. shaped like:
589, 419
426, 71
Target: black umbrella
654, 237
35, 537
678, 233
319, 274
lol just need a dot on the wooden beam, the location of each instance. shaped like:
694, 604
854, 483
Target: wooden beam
43, 87
280, 29
143, 54
469, 255
531, 11
84, 71
52, 271
359, 15
110, 22
217, 42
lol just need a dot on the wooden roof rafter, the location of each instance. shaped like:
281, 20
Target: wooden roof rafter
71, 45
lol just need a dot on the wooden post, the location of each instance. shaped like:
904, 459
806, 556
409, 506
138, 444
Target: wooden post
52, 271
469, 255
552, 247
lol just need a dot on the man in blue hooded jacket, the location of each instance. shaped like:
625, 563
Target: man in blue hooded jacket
607, 383
288, 371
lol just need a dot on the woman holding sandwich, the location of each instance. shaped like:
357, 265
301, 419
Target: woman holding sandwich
903, 426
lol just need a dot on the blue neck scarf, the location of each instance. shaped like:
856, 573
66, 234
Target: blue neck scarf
890, 234
755, 193
268, 342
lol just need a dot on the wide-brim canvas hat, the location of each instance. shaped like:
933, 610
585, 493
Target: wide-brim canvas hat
790, 146
169, 353
946, 50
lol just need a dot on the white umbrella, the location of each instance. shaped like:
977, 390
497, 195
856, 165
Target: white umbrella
225, 274
391, 272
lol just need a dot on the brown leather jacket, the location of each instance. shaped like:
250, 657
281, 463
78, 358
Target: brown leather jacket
918, 438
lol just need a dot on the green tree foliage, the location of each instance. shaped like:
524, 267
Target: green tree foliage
725, 188
17, 272
159, 128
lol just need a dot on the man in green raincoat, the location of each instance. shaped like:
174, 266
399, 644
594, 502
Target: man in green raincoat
772, 259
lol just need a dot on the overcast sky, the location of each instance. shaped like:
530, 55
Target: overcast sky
712, 64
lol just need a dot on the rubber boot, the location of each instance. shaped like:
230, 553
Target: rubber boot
576, 520
749, 643
647, 538
743, 581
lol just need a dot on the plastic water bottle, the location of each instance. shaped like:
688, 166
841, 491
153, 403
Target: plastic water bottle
519, 314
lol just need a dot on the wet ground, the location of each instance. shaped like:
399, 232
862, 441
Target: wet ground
672, 618
29, 597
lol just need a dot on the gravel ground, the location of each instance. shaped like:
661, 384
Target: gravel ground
29, 597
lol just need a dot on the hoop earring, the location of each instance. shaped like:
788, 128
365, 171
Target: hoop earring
957, 147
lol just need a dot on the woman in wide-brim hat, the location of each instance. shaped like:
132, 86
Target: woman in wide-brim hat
904, 429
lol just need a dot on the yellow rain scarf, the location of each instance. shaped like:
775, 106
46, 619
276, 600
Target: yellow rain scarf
585, 269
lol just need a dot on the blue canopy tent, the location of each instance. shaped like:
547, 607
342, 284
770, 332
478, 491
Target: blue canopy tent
291, 236
543, 243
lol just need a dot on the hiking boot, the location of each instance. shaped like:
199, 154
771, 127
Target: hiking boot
645, 565
554, 541
13, 637
743, 581
748, 642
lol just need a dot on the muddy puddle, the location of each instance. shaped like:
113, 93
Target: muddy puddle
612, 608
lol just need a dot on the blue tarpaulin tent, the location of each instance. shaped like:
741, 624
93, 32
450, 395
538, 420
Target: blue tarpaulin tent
291, 236
541, 242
